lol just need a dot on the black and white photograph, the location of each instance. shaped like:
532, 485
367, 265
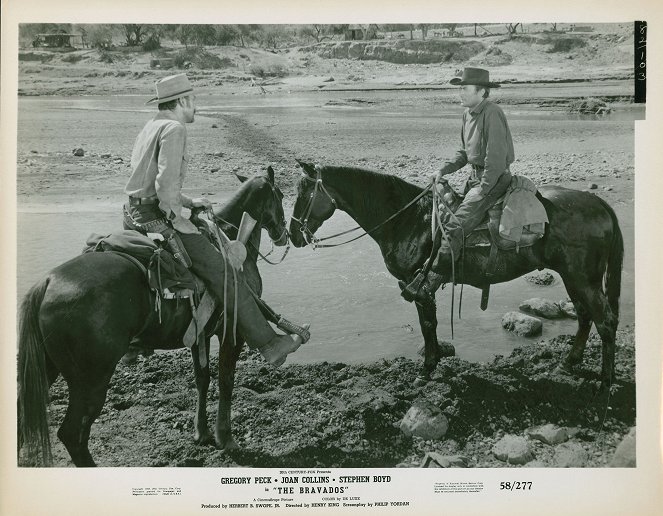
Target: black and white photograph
330, 253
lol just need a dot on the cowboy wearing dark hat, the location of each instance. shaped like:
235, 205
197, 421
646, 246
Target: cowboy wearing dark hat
159, 165
486, 145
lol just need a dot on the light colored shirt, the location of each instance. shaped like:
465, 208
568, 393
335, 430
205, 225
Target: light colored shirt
159, 165
485, 143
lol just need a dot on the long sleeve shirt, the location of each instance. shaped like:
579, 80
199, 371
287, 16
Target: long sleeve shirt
159, 165
485, 143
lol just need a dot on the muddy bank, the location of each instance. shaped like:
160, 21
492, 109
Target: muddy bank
338, 415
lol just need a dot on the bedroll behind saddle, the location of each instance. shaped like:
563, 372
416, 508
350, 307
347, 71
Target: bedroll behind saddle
517, 220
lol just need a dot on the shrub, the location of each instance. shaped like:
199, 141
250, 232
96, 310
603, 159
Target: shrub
72, 58
153, 42
276, 70
566, 44
105, 57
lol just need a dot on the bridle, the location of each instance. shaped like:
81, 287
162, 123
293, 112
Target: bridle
314, 241
319, 186
283, 233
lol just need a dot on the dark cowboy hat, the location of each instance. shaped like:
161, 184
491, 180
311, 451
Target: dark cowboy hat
475, 76
171, 88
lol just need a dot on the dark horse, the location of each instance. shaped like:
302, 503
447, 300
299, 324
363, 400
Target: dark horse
583, 243
80, 319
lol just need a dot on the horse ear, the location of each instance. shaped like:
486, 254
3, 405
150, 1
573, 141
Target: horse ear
241, 178
308, 168
270, 174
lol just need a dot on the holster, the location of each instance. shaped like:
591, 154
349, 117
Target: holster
163, 227
176, 247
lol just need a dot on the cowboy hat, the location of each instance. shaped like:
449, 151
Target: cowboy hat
171, 88
475, 76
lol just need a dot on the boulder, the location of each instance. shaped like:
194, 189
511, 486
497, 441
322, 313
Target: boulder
437, 460
568, 308
570, 455
424, 420
521, 324
549, 434
542, 308
444, 348
540, 278
79, 152
625, 453
513, 449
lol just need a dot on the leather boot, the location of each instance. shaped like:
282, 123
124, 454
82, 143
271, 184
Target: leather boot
257, 332
422, 288
276, 351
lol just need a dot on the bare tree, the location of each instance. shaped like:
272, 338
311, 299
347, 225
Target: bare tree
424, 29
511, 28
133, 33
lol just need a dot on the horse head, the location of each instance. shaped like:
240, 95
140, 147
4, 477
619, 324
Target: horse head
314, 205
263, 200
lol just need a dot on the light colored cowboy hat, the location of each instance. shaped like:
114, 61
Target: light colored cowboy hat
171, 88
474, 76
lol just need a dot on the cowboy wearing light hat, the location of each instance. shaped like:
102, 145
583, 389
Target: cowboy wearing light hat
486, 145
159, 165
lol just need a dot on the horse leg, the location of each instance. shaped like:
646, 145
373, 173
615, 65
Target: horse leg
201, 434
596, 303
584, 326
428, 323
85, 404
228, 355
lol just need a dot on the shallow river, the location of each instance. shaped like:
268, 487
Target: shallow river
345, 293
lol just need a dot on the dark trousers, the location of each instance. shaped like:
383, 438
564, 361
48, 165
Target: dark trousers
468, 216
209, 265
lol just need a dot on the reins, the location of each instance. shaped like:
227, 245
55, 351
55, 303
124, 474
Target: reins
312, 240
437, 201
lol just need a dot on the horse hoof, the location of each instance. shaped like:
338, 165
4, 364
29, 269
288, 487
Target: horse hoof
229, 446
203, 439
420, 381
564, 369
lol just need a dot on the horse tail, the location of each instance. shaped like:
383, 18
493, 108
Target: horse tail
612, 280
32, 380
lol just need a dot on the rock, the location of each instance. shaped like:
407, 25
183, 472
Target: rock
513, 449
593, 186
214, 126
218, 154
330, 79
437, 460
570, 455
540, 278
424, 420
522, 325
549, 434
536, 464
377, 399
106, 155
624, 456
568, 308
542, 308
79, 152
444, 348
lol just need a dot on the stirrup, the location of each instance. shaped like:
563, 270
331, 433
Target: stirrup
294, 329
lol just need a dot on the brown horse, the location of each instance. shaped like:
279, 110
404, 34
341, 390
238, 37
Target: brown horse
80, 319
583, 243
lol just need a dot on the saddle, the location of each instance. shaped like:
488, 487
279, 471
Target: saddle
516, 220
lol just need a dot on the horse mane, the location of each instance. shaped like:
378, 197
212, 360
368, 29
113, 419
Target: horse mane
390, 190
